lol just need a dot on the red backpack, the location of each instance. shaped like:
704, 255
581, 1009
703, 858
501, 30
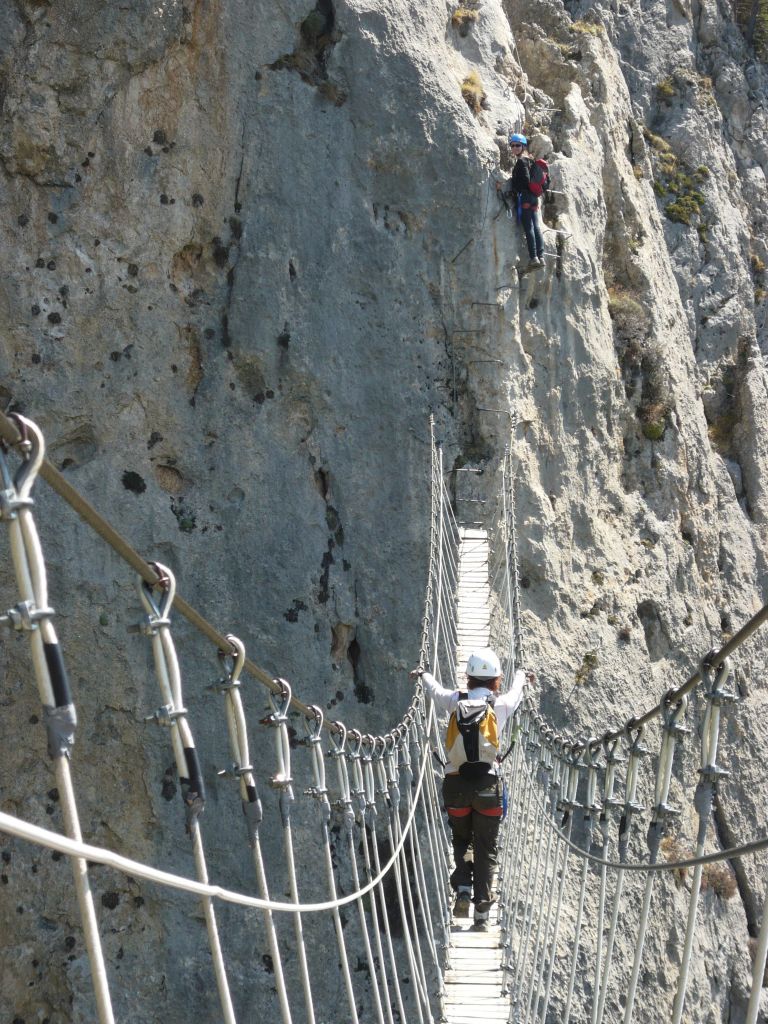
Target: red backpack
539, 177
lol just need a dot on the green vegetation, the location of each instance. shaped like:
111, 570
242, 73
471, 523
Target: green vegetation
473, 92
680, 83
653, 420
665, 90
588, 663
685, 207
676, 181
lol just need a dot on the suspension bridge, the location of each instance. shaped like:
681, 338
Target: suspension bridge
589, 891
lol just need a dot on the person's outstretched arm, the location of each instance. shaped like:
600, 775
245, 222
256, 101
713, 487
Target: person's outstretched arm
512, 698
442, 697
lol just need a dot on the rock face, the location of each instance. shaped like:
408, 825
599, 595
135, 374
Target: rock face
247, 249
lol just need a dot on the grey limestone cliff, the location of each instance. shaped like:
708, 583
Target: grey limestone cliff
247, 249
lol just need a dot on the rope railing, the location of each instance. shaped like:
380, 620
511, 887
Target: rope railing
386, 780
570, 848
33, 616
558, 784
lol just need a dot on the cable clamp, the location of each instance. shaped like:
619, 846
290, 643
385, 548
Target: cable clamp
316, 792
223, 686
280, 781
723, 698
149, 625
10, 503
25, 616
664, 811
166, 715
674, 729
566, 806
236, 771
713, 772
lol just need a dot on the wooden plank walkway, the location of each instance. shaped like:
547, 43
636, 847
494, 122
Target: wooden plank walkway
473, 594
473, 982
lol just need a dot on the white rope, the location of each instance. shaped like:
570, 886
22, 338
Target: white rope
173, 713
348, 815
282, 782
421, 880
663, 778
704, 797
541, 950
251, 805
320, 793
601, 982
100, 855
34, 616
360, 815
529, 899
758, 970
371, 814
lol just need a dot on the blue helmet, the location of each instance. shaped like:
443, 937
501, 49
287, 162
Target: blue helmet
521, 139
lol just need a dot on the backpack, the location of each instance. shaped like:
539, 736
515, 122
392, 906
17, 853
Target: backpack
539, 175
472, 740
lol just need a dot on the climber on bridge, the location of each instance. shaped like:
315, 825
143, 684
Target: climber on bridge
524, 190
472, 792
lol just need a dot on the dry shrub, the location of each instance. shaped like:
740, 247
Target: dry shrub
473, 92
673, 850
720, 879
463, 18
653, 420
630, 319
588, 28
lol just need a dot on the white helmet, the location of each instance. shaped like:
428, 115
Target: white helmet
483, 664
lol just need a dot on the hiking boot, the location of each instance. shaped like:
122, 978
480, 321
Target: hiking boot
463, 903
481, 922
535, 264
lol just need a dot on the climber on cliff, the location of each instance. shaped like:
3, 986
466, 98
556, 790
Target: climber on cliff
472, 791
530, 179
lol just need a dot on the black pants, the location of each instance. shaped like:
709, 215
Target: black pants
474, 812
